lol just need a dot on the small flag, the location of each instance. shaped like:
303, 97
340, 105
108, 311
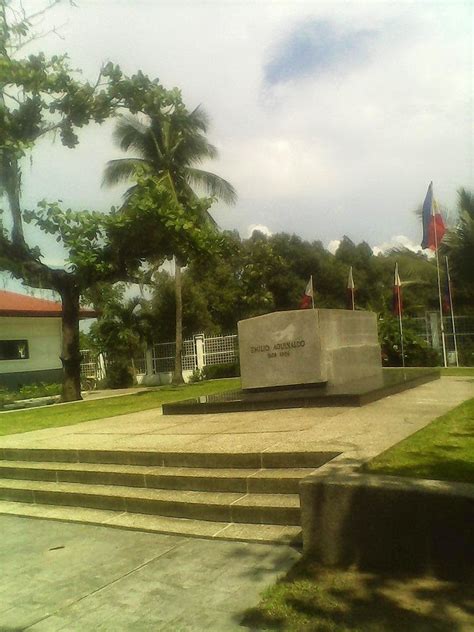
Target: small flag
350, 296
433, 223
397, 306
307, 299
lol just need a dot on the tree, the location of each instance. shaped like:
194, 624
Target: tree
120, 331
39, 96
458, 244
169, 144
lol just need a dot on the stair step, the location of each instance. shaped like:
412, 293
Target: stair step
278, 480
228, 507
249, 460
274, 534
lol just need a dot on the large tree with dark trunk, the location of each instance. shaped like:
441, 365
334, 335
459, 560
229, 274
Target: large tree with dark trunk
40, 96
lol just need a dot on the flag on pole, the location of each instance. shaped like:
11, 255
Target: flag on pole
433, 223
307, 300
397, 306
350, 291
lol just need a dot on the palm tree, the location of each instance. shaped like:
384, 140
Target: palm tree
169, 145
459, 244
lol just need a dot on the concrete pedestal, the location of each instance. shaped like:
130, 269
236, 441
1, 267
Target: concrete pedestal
301, 347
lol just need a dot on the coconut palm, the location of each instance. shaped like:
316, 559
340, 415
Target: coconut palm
459, 244
169, 145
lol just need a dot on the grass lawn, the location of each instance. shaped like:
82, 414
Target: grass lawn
442, 450
68, 414
315, 599
467, 371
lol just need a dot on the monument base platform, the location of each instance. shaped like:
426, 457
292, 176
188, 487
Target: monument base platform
357, 393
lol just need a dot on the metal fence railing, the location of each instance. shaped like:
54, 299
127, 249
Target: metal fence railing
429, 328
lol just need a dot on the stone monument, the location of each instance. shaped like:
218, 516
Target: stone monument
308, 347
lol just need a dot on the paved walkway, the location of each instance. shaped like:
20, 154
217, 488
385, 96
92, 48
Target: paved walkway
57, 576
360, 433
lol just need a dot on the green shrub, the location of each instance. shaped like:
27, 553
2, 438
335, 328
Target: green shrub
466, 350
30, 391
217, 371
197, 376
416, 351
119, 374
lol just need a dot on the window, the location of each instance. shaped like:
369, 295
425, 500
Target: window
14, 350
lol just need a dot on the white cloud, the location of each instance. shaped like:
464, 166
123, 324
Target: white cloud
397, 241
260, 227
333, 245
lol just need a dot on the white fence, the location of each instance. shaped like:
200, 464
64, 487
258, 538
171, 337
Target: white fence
429, 328
198, 352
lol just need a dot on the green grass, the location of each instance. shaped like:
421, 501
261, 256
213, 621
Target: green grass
462, 370
68, 414
315, 599
444, 450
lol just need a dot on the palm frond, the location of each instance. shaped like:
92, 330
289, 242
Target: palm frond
194, 149
466, 202
131, 134
212, 184
123, 169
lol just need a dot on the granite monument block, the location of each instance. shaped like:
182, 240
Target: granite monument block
303, 347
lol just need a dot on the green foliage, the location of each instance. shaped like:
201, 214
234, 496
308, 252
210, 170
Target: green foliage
219, 371
458, 244
417, 352
119, 332
29, 391
119, 373
162, 310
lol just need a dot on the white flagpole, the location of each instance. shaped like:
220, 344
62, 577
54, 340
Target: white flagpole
312, 291
399, 309
443, 339
352, 289
452, 312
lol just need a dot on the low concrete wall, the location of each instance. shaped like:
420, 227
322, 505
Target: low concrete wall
389, 523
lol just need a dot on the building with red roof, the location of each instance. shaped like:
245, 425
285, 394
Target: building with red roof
30, 339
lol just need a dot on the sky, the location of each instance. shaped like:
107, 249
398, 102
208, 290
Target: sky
331, 118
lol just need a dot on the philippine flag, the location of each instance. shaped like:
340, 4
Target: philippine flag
307, 299
433, 224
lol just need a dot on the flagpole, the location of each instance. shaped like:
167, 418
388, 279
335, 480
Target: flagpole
401, 336
443, 340
453, 324
312, 291
399, 309
352, 290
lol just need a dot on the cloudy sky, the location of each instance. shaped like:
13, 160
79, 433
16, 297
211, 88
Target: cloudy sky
330, 118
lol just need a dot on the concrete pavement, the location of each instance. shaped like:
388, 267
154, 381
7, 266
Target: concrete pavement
69, 577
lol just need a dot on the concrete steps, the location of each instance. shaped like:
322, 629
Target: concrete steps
244, 496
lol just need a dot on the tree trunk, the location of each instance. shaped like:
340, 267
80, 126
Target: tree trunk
178, 364
11, 178
70, 354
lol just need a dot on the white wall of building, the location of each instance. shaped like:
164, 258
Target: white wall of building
44, 343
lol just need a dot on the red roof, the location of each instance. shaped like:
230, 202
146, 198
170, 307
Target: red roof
13, 304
